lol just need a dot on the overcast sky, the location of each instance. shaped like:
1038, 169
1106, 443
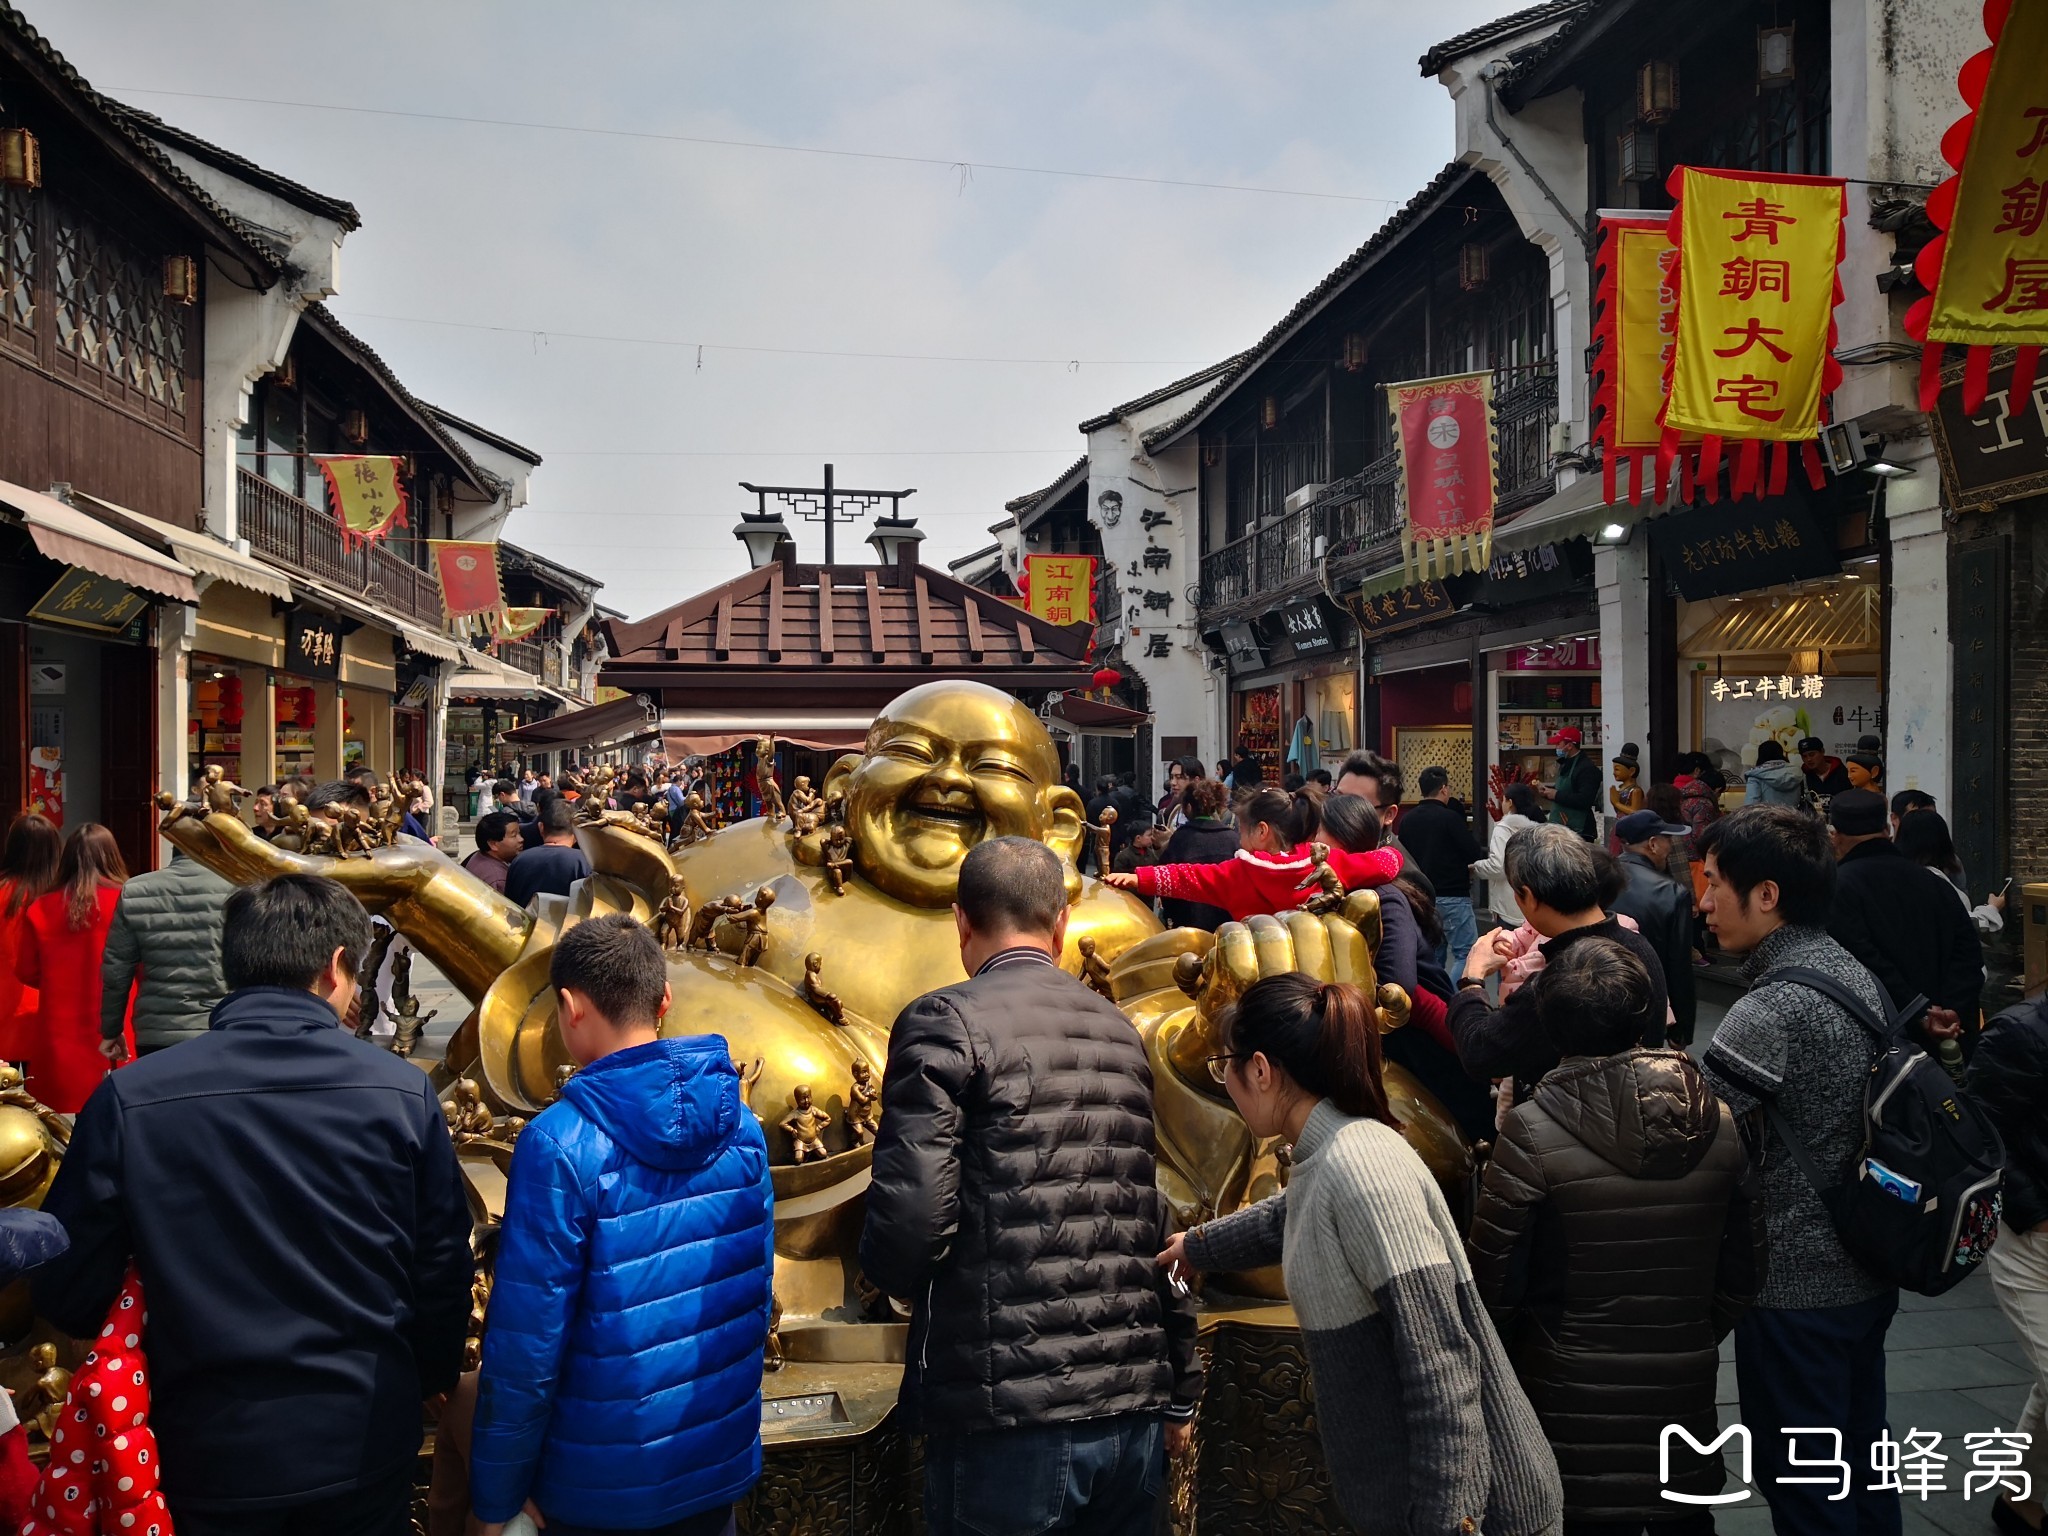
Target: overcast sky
546, 233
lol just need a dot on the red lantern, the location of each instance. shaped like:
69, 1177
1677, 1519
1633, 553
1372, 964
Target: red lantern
231, 701
1106, 677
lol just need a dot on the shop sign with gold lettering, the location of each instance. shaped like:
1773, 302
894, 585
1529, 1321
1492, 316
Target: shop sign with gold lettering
1714, 551
312, 644
1997, 452
1387, 612
86, 601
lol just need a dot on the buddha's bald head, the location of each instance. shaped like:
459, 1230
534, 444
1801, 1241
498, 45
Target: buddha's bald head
947, 766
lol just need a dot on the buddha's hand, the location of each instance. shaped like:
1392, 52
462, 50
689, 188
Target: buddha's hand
227, 846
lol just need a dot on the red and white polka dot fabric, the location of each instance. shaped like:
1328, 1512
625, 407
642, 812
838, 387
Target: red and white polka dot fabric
102, 1476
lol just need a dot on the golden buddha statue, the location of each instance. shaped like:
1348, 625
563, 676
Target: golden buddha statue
945, 766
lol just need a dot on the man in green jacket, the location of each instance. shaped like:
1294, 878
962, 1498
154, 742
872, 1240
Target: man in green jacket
1577, 789
166, 937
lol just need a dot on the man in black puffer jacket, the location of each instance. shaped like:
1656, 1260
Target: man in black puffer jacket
1014, 1203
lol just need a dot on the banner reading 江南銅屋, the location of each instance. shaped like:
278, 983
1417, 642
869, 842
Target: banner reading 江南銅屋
1060, 588
1987, 273
1757, 280
367, 492
468, 574
1443, 430
1637, 314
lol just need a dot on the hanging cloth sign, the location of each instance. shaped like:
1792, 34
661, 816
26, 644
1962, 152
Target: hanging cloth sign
1758, 281
1060, 589
367, 494
468, 574
1444, 432
1637, 309
517, 623
1987, 275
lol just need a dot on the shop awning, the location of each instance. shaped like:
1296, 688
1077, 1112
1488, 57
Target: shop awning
483, 676
72, 537
425, 641
206, 555
1072, 715
599, 725
1579, 511
703, 732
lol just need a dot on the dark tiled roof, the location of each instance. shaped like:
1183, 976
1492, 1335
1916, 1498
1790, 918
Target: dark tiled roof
343, 213
485, 434
540, 565
1025, 503
258, 248
324, 321
1493, 31
1527, 62
1165, 392
1417, 207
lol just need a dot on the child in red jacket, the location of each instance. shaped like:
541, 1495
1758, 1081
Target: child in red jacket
1273, 870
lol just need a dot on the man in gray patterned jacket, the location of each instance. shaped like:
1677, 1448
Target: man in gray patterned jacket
1810, 1354
167, 928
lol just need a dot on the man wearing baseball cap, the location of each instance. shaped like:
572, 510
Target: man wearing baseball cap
1577, 789
1825, 775
1661, 909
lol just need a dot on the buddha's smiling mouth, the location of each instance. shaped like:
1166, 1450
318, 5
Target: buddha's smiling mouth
954, 818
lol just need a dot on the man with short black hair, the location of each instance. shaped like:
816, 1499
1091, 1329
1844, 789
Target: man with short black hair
1662, 912
290, 1198
498, 842
1560, 881
1040, 1327
1825, 774
1902, 921
1377, 780
1906, 802
1811, 1351
554, 866
1439, 838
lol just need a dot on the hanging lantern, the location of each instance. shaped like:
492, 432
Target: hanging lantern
1774, 66
1354, 351
1638, 154
231, 702
355, 426
21, 159
1106, 678
1269, 412
1471, 266
181, 279
1657, 91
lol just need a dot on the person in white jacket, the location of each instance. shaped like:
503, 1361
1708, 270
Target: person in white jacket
1523, 812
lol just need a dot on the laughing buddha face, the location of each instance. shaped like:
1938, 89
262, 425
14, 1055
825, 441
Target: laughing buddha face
949, 765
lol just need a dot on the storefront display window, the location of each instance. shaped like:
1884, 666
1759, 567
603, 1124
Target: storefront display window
298, 708
1540, 690
214, 731
1258, 727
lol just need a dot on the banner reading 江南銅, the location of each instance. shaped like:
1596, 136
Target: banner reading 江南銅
1986, 275
468, 574
1753, 359
367, 492
1059, 588
1443, 430
1635, 316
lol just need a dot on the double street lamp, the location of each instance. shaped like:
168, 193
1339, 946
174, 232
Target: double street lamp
763, 531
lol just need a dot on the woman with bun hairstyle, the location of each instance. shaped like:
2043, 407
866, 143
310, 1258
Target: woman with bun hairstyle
1273, 870
1424, 1426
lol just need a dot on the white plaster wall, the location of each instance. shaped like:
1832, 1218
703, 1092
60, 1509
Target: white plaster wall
1621, 580
1919, 694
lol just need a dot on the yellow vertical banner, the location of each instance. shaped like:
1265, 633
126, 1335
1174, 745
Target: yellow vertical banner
1060, 588
367, 492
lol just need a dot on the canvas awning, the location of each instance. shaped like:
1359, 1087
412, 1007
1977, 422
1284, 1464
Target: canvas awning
483, 676
205, 554
703, 732
600, 725
72, 537
1072, 715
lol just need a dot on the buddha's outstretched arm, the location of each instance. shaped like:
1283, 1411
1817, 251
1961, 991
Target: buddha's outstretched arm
468, 930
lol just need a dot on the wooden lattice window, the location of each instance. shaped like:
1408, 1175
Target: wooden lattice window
17, 267
112, 324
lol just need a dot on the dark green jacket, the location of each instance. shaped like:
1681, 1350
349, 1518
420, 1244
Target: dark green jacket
1578, 792
167, 928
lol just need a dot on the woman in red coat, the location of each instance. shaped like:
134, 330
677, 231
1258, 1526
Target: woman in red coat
28, 868
60, 950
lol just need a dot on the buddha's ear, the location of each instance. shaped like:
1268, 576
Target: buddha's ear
834, 789
1068, 819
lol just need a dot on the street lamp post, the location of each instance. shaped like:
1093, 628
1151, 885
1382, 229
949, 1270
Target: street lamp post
828, 503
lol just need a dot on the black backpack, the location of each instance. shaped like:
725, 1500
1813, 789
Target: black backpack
1920, 1206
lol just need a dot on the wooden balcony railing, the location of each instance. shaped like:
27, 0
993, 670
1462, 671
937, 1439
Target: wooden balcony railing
302, 538
523, 654
1355, 520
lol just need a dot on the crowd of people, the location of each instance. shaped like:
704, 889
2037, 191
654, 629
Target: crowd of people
290, 1199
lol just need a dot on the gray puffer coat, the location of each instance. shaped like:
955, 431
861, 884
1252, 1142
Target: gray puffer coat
1614, 1245
168, 927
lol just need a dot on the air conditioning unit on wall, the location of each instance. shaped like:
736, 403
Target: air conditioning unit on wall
1303, 497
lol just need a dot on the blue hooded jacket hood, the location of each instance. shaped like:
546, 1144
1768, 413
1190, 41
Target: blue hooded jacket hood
671, 1104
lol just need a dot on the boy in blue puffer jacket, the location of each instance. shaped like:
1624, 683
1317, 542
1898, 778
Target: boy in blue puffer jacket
621, 1383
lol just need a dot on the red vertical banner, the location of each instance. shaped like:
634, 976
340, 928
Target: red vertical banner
1634, 328
1443, 429
468, 574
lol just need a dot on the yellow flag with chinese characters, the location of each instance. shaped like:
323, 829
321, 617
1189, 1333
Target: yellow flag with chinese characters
1756, 299
1060, 588
1993, 283
366, 491
518, 623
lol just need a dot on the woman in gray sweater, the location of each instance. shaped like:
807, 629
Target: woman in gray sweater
1424, 1427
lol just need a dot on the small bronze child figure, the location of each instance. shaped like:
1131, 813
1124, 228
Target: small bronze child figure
864, 1106
838, 858
1094, 969
825, 1002
806, 1125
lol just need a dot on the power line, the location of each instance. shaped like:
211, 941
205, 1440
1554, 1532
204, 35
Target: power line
542, 334
949, 162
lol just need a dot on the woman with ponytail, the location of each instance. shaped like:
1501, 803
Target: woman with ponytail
1424, 1426
62, 942
1274, 870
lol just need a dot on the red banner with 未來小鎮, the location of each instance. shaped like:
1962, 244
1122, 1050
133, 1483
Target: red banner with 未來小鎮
1443, 431
1986, 274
